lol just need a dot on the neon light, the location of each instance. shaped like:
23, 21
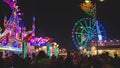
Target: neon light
48, 49
11, 49
24, 50
29, 38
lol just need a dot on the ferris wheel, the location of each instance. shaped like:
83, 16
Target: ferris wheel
87, 30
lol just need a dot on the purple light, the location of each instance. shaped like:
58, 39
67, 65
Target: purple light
32, 41
18, 10
33, 18
73, 29
10, 3
20, 19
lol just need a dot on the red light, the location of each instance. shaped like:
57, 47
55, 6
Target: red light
29, 38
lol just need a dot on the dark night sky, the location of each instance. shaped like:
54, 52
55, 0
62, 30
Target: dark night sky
55, 18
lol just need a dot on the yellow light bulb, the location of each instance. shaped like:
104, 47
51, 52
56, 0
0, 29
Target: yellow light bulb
87, 1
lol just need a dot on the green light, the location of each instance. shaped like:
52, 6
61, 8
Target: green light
48, 49
24, 50
57, 52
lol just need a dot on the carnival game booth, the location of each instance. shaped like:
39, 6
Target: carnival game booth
114, 49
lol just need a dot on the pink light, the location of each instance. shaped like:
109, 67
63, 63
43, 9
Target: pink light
40, 37
72, 36
72, 32
13, 0
19, 13
73, 29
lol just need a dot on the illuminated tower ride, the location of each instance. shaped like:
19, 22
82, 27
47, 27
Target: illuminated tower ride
16, 38
89, 29
10, 37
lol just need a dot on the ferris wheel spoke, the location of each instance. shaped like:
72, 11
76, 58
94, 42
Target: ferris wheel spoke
94, 31
100, 26
86, 30
83, 27
78, 33
101, 31
85, 24
86, 42
90, 23
93, 27
85, 34
94, 36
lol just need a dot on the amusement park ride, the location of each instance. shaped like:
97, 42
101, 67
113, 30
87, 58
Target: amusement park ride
16, 38
89, 35
88, 29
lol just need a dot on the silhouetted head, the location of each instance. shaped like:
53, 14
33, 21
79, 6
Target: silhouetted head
41, 55
1, 54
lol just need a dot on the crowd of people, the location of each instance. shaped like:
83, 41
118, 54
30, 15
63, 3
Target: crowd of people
72, 60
